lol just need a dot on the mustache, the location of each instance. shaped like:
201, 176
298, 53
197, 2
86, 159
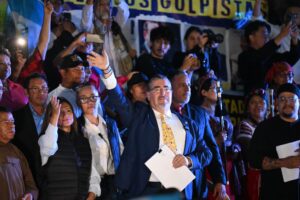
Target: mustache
163, 97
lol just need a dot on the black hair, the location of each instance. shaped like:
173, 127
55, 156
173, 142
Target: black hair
48, 113
4, 109
253, 27
162, 32
33, 76
156, 77
293, 3
177, 73
205, 86
190, 30
260, 92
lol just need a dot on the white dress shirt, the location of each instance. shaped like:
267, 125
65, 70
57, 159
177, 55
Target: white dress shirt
100, 146
171, 119
178, 131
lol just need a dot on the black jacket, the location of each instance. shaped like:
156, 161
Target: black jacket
253, 64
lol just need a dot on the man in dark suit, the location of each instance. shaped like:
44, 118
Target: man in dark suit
181, 96
29, 120
146, 131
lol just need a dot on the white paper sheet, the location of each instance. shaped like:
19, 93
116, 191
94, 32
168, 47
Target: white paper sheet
160, 164
284, 151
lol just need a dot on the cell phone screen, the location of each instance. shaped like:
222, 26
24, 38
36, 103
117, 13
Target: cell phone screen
98, 48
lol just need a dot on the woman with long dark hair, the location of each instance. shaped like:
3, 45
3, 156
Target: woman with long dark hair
66, 154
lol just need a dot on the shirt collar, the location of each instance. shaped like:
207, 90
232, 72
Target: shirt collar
167, 114
33, 111
101, 120
60, 87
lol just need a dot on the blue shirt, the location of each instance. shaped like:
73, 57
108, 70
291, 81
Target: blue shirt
38, 119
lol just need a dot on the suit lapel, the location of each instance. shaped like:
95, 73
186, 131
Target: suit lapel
155, 128
188, 134
29, 116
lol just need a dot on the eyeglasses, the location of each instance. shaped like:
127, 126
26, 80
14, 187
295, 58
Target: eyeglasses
287, 99
87, 99
37, 90
158, 89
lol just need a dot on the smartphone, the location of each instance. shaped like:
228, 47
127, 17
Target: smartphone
21, 46
67, 16
97, 42
290, 17
94, 38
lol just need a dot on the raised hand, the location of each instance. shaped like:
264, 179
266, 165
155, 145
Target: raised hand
188, 62
55, 110
99, 61
80, 40
48, 7
27, 196
21, 60
55, 106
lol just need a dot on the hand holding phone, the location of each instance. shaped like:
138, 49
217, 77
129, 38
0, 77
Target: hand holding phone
97, 41
290, 17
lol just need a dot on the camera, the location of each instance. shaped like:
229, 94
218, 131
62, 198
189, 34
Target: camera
66, 16
212, 37
197, 53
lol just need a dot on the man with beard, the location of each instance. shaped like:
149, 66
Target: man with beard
14, 96
278, 130
29, 120
181, 96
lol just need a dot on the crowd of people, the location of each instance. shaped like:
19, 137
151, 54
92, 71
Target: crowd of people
78, 120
